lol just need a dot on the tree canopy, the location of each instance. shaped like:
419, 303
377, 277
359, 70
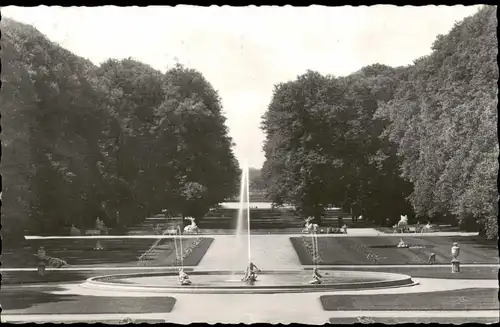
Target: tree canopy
443, 119
387, 141
117, 141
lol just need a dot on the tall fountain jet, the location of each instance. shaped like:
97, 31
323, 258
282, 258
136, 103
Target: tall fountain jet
243, 222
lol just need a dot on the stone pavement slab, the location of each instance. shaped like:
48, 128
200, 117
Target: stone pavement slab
267, 252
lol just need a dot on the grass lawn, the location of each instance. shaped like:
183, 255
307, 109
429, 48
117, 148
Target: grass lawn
436, 272
421, 320
80, 252
354, 250
163, 259
41, 301
465, 299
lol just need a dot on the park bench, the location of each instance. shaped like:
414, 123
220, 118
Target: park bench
172, 230
92, 232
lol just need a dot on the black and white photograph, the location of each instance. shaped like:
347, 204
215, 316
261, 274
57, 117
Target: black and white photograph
255, 164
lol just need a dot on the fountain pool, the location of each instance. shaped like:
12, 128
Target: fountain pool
278, 281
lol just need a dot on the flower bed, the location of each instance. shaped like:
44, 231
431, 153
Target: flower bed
308, 244
187, 252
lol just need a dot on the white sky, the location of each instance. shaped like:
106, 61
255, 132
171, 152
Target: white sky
244, 51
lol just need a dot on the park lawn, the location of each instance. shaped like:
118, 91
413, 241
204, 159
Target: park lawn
417, 320
464, 299
41, 301
354, 250
80, 252
434, 271
62, 275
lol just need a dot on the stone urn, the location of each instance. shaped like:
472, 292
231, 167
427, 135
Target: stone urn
455, 262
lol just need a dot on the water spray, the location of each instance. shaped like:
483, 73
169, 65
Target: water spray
248, 212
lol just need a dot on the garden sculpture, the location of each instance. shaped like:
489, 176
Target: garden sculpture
251, 273
310, 227
192, 228
183, 277
316, 277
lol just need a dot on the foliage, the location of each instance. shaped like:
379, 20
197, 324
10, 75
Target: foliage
204, 171
443, 120
257, 183
388, 141
119, 141
323, 146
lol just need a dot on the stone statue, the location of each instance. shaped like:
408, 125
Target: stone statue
251, 273
310, 227
455, 251
192, 228
183, 277
403, 223
455, 263
316, 277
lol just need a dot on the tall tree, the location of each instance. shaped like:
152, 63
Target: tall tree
204, 171
297, 169
132, 92
62, 124
443, 120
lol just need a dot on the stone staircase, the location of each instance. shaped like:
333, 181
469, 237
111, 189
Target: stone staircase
271, 219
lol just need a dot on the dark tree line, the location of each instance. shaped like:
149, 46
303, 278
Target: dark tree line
118, 141
388, 141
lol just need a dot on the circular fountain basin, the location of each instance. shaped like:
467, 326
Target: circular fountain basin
288, 281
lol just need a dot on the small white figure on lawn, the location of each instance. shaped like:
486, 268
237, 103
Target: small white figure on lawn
428, 227
98, 246
251, 273
192, 228
316, 277
455, 251
183, 277
402, 244
310, 227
